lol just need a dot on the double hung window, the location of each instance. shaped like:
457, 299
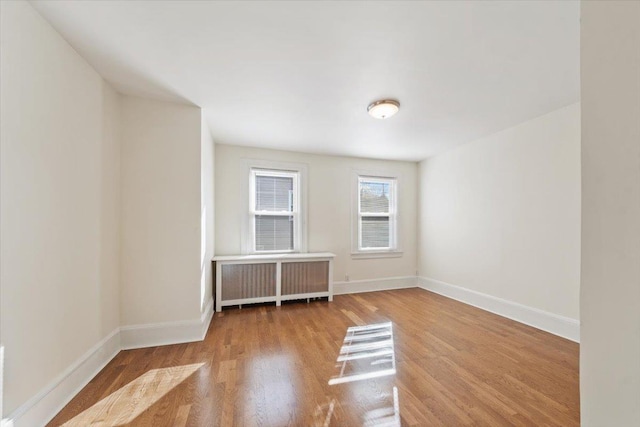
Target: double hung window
275, 210
376, 214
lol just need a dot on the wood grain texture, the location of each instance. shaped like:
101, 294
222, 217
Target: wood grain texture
269, 366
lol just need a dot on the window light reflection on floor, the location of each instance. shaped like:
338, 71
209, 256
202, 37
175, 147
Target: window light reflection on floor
125, 404
367, 353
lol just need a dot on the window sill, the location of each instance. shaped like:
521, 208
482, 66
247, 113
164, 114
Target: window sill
376, 254
273, 257
272, 252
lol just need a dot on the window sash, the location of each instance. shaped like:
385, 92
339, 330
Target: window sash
362, 223
255, 173
273, 234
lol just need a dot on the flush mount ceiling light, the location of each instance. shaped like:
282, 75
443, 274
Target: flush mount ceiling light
383, 109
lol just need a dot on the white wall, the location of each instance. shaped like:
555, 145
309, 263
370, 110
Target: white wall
610, 289
501, 215
59, 204
161, 212
207, 197
329, 207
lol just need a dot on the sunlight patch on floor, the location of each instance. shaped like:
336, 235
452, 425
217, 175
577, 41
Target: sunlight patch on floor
124, 405
366, 357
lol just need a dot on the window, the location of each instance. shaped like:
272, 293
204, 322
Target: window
275, 210
376, 214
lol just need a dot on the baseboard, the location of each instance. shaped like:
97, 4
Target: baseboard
540, 319
205, 319
156, 334
42, 407
372, 285
2, 422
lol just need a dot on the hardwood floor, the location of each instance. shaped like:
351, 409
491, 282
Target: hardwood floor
267, 366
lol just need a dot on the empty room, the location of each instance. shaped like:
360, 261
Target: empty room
319, 213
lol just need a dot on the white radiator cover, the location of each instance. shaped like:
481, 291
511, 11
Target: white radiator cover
246, 279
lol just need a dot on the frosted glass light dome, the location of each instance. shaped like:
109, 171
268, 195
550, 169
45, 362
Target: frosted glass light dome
383, 109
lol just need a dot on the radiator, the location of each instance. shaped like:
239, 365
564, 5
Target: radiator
272, 278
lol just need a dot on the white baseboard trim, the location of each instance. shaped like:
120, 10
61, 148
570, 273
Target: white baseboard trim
372, 285
205, 319
166, 333
558, 325
42, 407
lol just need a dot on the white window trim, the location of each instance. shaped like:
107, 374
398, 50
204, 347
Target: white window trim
248, 201
394, 251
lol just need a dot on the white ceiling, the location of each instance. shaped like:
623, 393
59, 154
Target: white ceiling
299, 75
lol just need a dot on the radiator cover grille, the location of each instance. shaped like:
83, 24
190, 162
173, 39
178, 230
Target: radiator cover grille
305, 277
241, 281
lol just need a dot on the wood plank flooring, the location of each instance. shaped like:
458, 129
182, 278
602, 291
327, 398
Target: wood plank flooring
269, 366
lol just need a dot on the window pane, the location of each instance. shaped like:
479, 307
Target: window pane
374, 197
274, 193
375, 232
274, 233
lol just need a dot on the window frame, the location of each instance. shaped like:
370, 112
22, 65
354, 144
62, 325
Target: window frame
299, 213
294, 212
393, 250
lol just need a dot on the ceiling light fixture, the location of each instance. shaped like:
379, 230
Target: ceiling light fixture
383, 109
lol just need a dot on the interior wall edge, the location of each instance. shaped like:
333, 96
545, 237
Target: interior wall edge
166, 333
